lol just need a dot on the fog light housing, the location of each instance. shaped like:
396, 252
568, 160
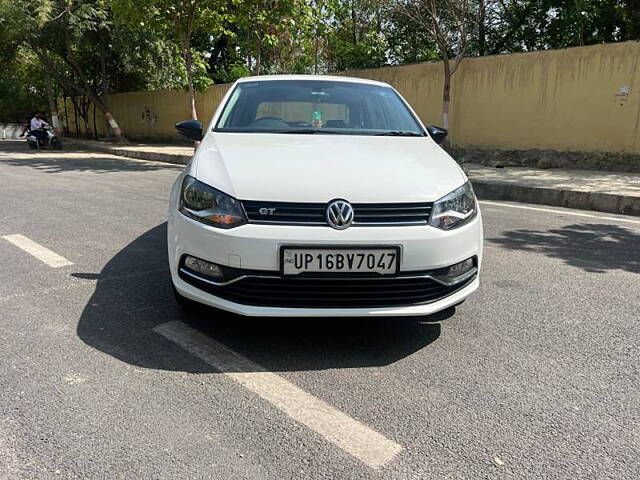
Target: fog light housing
460, 268
202, 267
456, 273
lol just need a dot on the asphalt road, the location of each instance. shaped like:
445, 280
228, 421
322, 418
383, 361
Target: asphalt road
535, 377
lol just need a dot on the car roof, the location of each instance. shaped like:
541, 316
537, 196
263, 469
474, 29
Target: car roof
326, 78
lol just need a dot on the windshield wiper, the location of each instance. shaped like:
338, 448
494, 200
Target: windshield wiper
298, 130
313, 130
398, 133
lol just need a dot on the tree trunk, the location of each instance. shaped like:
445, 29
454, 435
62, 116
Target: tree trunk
117, 131
95, 127
81, 88
75, 117
192, 98
482, 36
104, 108
259, 58
315, 52
115, 128
66, 112
85, 106
82, 85
354, 32
446, 94
52, 102
188, 62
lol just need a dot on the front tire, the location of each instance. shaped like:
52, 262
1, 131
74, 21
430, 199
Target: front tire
56, 144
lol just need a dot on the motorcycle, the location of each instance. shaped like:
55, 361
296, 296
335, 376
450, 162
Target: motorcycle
51, 140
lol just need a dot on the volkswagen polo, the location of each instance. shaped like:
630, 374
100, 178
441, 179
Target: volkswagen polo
321, 196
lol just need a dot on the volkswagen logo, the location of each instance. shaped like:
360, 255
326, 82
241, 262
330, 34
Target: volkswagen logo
339, 214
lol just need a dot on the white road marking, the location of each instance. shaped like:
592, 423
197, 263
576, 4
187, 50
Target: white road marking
498, 461
352, 436
74, 379
563, 212
41, 253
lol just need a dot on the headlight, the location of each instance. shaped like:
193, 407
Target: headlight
454, 209
208, 205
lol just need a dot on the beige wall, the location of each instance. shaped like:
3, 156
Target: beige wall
570, 99
580, 99
151, 114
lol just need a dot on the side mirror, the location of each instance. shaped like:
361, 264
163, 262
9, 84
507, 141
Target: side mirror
438, 134
191, 129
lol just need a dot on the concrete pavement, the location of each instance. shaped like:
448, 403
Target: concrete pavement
177, 154
583, 189
534, 377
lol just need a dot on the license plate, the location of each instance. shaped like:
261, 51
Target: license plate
381, 260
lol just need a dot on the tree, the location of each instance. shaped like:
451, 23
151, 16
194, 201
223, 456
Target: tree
355, 38
68, 45
22, 87
178, 21
629, 12
450, 24
66, 36
272, 34
406, 41
528, 25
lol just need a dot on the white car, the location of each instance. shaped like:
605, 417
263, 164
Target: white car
321, 196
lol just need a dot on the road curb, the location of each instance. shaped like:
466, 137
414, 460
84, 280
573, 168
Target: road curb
172, 158
599, 202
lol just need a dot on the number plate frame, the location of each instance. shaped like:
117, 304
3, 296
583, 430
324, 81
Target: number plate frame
355, 248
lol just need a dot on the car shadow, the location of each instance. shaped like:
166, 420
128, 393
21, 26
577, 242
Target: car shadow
133, 295
596, 248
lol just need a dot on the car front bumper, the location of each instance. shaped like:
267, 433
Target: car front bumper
257, 248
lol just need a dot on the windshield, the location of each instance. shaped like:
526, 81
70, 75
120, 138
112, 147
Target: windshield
316, 107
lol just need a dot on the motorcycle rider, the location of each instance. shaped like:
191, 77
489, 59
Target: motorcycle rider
36, 126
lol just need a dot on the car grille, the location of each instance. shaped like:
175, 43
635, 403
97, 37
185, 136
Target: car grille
308, 292
365, 214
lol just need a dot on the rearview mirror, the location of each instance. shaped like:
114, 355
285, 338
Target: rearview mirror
438, 134
191, 129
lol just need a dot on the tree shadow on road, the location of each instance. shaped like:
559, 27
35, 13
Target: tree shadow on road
70, 160
133, 295
596, 248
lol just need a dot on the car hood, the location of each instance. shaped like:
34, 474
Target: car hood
320, 168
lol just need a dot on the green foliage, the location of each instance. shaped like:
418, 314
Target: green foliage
355, 36
145, 60
175, 23
528, 25
22, 88
407, 42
